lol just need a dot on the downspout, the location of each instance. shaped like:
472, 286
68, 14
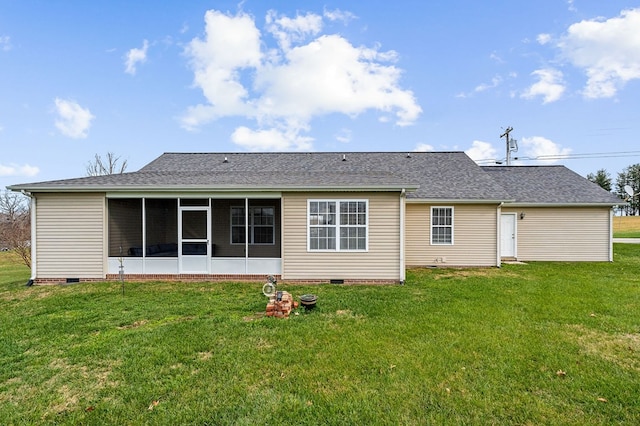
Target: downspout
611, 235
403, 270
498, 235
33, 238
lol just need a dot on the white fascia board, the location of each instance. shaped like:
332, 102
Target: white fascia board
545, 205
210, 189
450, 201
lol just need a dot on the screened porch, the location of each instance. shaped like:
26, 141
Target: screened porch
231, 236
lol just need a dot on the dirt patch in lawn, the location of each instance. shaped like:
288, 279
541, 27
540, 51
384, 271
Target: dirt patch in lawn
620, 349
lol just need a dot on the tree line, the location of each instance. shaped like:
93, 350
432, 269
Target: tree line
630, 177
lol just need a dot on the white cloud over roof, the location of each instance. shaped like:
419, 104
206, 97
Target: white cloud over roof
17, 170
542, 150
480, 151
607, 50
73, 120
308, 74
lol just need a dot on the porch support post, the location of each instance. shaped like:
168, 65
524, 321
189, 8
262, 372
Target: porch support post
499, 235
402, 220
144, 235
246, 235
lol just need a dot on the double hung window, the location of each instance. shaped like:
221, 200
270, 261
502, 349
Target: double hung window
337, 225
442, 225
261, 225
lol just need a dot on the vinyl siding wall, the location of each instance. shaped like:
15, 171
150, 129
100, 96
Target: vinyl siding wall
563, 234
70, 240
381, 262
474, 236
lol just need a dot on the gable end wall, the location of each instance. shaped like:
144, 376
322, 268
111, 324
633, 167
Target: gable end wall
70, 236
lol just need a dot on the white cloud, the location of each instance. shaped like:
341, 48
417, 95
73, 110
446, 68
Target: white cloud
134, 57
292, 30
423, 147
344, 136
607, 50
550, 85
307, 75
270, 140
543, 38
495, 82
73, 120
5, 43
480, 151
339, 15
542, 150
16, 170
495, 57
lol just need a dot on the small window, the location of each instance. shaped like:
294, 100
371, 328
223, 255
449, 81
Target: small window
261, 225
442, 225
337, 225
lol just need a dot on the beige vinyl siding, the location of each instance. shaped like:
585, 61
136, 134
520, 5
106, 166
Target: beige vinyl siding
70, 235
563, 234
381, 262
474, 236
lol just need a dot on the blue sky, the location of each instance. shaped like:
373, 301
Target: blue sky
79, 78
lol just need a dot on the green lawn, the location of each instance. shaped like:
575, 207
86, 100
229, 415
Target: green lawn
544, 343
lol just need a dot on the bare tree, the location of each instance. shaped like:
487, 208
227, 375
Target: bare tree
15, 225
110, 165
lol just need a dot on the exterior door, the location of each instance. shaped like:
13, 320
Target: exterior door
508, 235
194, 250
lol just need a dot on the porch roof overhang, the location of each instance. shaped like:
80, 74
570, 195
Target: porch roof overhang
191, 189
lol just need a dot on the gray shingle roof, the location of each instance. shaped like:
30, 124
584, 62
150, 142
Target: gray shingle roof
549, 185
426, 175
447, 176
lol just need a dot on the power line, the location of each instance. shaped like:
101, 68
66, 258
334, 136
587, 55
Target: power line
550, 157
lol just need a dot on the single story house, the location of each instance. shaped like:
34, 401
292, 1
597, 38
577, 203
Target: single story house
312, 217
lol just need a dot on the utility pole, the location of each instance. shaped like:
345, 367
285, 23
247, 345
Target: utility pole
509, 142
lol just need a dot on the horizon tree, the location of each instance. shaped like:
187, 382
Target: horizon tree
601, 178
629, 176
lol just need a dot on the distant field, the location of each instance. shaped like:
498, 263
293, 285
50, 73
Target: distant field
626, 226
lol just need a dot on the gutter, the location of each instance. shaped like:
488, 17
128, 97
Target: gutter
454, 201
210, 188
562, 204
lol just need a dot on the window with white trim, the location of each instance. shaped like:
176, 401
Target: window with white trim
442, 225
337, 225
261, 225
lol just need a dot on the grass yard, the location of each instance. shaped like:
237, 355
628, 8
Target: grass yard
626, 226
544, 343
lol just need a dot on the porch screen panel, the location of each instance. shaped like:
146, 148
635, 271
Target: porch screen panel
264, 228
125, 227
161, 227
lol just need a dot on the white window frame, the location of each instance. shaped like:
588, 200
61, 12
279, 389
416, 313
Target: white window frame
338, 226
252, 226
432, 226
